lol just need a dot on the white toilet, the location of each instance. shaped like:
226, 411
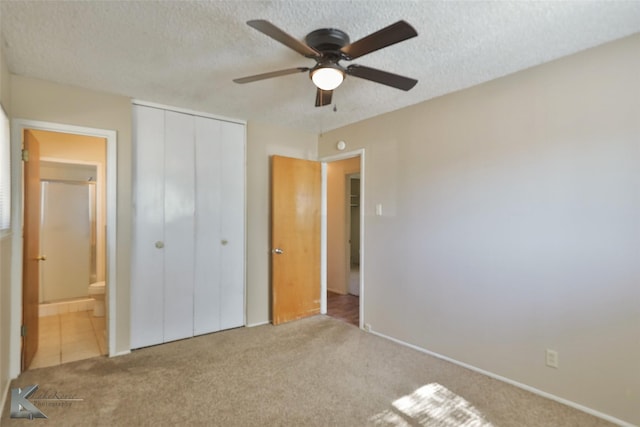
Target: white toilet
96, 291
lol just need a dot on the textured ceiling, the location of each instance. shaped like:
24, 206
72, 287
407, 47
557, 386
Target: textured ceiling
186, 53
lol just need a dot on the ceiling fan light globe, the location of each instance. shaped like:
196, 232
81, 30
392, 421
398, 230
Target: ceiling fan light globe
327, 78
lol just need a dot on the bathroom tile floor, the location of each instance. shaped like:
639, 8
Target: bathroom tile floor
68, 337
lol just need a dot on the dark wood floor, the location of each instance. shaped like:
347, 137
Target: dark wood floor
344, 307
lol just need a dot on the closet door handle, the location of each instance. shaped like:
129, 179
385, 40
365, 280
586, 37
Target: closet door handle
159, 244
278, 251
41, 258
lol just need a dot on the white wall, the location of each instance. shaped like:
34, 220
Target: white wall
511, 224
263, 141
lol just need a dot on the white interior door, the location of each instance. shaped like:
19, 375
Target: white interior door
232, 173
220, 172
179, 209
207, 239
147, 267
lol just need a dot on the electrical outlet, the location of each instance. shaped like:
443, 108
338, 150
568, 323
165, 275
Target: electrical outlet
552, 359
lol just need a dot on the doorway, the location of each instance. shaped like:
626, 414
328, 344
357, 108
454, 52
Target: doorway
71, 324
70, 173
329, 246
343, 239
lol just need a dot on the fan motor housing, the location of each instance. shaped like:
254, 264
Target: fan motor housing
327, 39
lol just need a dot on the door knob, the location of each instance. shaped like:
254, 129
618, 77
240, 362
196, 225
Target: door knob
224, 242
159, 244
278, 251
41, 258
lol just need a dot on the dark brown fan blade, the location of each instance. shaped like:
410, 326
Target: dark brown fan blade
387, 36
379, 76
323, 97
263, 76
277, 34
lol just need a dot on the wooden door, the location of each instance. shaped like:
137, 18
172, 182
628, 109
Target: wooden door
31, 250
295, 238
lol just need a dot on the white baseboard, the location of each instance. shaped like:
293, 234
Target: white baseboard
252, 325
120, 353
63, 307
511, 382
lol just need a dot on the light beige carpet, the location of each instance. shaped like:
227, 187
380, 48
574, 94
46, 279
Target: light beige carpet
313, 372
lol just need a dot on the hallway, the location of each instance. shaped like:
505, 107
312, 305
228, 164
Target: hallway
344, 307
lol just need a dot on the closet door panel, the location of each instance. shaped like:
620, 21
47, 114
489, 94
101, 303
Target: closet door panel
232, 225
208, 241
179, 209
147, 271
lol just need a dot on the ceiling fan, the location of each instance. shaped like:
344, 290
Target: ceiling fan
329, 46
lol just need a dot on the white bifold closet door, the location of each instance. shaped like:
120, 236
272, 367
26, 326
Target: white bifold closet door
179, 225
188, 231
147, 266
219, 238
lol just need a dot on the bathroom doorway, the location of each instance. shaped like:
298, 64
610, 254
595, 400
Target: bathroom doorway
72, 248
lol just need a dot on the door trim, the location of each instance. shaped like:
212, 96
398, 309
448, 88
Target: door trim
323, 229
187, 111
18, 126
